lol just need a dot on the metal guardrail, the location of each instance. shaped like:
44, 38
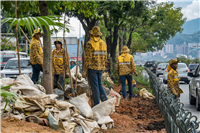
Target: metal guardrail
177, 119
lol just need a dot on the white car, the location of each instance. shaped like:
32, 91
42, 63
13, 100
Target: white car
11, 69
161, 69
182, 73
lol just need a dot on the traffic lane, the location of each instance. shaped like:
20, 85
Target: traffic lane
184, 98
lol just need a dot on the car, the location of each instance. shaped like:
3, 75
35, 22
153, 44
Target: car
161, 69
11, 69
194, 88
182, 73
151, 65
192, 67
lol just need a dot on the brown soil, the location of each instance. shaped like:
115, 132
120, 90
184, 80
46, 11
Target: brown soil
13, 125
136, 116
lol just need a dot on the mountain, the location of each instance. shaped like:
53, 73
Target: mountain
180, 38
192, 26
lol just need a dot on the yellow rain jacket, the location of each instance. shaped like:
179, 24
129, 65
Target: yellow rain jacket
173, 82
58, 61
36, 54
126, 65
96, 54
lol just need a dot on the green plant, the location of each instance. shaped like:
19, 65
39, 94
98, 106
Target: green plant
67, 81
9, 97
107, 84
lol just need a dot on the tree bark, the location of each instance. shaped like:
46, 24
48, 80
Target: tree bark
17, 40
130, 39
114, 44
47, 51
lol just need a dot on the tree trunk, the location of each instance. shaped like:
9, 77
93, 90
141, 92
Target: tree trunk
129, 39
47, 51
17, 40
124, 36
115, 38
108, 38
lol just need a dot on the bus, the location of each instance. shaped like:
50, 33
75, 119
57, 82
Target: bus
8, 54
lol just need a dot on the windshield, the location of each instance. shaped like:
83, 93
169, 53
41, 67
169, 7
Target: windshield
162, 65
12, 64
193, 66
181, 66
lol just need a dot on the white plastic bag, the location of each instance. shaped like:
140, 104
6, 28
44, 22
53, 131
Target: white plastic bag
81, 103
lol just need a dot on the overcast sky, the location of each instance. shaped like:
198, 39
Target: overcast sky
190, 10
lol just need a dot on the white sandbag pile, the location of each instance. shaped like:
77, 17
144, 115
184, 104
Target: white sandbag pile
61, 115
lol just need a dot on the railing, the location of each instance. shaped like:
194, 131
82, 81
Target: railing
177, 119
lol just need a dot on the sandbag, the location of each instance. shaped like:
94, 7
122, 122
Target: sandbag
81, 103
80, 79
104, 109
6, 82
111, 93
53, 123
145, 94
23, 85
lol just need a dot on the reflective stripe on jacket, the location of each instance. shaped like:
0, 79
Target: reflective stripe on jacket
96, 54
125, 65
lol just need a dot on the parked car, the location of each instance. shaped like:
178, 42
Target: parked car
151, 65
182, 73
192, 67
194, 88
161, 69
11, 69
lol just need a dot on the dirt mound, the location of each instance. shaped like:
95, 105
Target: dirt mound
13, 125
136, 116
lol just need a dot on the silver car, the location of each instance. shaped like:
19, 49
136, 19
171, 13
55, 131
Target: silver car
161, 69
182, 73
11, 69
194, 88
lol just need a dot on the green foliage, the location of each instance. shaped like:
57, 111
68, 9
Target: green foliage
10, 97
67, 81
31, 23
186, 60
114, 76
6, 44
107, 84
139, 79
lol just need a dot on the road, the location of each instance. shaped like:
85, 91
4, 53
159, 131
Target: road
185, 100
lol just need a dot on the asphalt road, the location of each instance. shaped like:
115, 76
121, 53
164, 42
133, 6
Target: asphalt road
184, 98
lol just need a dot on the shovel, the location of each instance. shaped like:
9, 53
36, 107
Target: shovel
77, 66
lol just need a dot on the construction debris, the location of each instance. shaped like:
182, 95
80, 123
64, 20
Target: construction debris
145, 94
61, 115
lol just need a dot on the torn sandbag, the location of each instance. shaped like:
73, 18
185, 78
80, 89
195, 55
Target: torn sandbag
106, 77
80, 79
89, 126
111, 93
69, 126
105, 121
78, 129
81, 103
145, 94
23, 85
6, 82
53, 123
104, 109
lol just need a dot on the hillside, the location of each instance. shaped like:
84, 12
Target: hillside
192, 26
188, 38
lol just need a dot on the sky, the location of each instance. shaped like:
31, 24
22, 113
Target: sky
190, 10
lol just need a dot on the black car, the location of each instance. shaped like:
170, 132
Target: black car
192, 67
152, 65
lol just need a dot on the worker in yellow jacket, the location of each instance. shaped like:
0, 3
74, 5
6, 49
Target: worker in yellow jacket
96, 54
172, 78
59, 57
36, 55
125, 69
